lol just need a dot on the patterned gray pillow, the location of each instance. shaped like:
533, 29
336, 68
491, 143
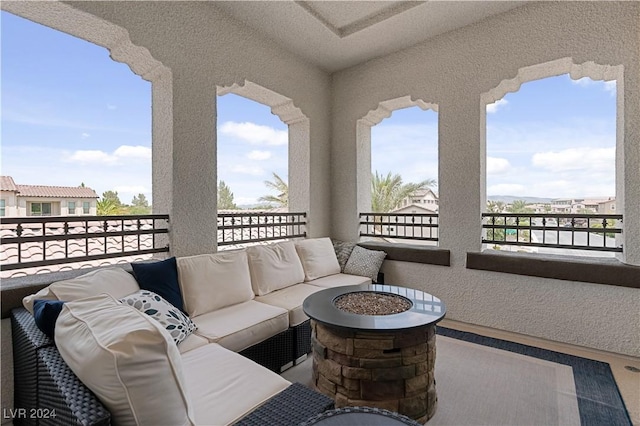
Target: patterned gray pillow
365, 262
343, 251
171, 318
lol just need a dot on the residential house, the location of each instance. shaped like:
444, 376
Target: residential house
41, 200
422, 201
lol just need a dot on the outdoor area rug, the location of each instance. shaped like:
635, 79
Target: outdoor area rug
486, 381
511, 383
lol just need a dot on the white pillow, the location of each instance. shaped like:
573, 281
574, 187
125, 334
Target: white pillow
213, 281
274, 267
318, 258
114, 281
127, 359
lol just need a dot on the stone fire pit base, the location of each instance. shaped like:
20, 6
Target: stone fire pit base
391, 369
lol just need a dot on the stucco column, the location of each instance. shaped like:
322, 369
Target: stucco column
194, 171
460, 176
629, 186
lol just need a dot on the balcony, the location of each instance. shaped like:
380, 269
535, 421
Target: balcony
329, 90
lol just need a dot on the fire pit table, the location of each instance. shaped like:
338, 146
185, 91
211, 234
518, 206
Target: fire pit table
375, 345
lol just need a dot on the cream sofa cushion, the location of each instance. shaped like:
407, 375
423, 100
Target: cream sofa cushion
243, 325
339, 280
212, 281
127, 359
225, 386
273, 267
114, 281
192, 342
318, 258
291, 299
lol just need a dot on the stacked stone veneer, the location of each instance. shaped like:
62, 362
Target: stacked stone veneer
390, 370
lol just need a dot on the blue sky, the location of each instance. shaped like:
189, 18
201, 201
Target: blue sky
70, 114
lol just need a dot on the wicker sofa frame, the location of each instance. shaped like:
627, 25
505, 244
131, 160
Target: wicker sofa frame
45, 385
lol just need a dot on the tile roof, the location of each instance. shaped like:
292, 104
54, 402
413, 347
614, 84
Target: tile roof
56, 191
7, 184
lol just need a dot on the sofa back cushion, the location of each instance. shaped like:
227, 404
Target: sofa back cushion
274, 267
127, 359
114, 281
318, 258
213, 281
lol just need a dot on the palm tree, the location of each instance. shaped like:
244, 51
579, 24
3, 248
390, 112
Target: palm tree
387, 192
107, 207
280, 186
519, 206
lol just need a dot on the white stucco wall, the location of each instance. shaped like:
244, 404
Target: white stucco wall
220, 52
453, 71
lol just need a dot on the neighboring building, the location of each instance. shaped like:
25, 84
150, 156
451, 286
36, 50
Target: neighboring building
425, 200
40, 200
607, 207
578, 205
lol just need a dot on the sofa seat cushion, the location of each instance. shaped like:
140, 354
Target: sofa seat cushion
243, 325
291, 299
273, 267
318, 258
127, 359
213, 281
338, 280
192, 342
225, 386
114, 281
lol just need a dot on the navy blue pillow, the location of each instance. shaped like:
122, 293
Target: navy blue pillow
45, 313
160, 278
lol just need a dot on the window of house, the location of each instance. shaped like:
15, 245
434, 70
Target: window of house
40, 209
552, 143
72, 207
85, 207
2, 207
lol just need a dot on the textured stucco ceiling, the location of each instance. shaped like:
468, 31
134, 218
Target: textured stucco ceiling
338, 34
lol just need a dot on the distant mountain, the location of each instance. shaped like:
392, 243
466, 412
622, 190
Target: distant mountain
508, 199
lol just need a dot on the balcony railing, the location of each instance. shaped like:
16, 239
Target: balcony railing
405, 226
563, 231
247, 228
29, 242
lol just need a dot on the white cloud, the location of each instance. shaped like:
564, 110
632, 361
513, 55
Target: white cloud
248, 170
505, 189
119, 156
584, 81
85, 135
259, 155
93, 156
610, 86
584, 158
492, 108
255, 134
128, 151
111, 107
496, 166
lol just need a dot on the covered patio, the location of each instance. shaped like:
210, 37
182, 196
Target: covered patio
331, 70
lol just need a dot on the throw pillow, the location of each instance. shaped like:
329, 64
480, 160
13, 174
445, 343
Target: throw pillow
160, 278
318, 258
171, 318
45, 313
343, 251
127, 359
365, 262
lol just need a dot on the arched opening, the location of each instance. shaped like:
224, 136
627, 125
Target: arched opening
398, 171
559, 152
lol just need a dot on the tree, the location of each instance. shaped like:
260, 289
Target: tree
225, 197
280, 186
139, 201
387, 192
113, 196
519, 206
107, 207
82, 185
495, 206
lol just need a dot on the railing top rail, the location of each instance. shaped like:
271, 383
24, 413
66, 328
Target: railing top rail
262, 214
556, 215
400, 214
57, 219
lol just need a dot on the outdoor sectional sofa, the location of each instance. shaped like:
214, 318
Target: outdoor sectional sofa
245, 306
